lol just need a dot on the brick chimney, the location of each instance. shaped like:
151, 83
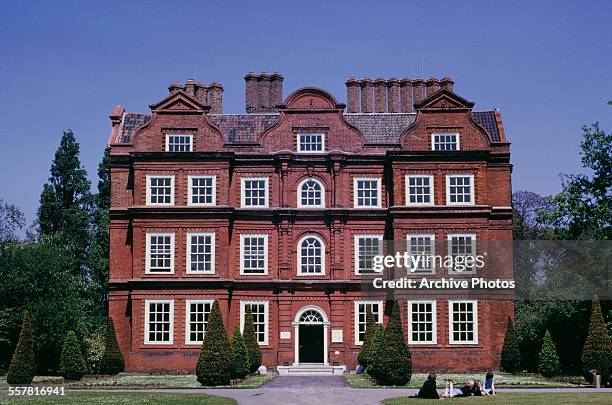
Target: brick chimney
431, 86
380, 95
263, 92
252, 105
393, 95
366, 95
276, 90
406, 95
447, 84
417, 87
215, 98
175, 87
190, 87
352, 95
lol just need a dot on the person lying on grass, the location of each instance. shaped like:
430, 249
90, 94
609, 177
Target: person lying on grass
470, 388
428, 390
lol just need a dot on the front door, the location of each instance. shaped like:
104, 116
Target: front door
311, 343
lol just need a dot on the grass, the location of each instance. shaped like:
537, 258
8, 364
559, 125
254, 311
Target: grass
502, 380
120, 398
518, 398
142, 381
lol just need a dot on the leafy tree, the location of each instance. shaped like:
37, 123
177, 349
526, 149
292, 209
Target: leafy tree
549, 365
597, 351
527, 207
362, 357
11, 221
395, 366
250, 340
510, 355
112, 360
241, 359
216, 362
22, 366
72, 363
374, 353
93, 351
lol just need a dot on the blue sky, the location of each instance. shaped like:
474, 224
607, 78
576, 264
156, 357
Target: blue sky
66, 64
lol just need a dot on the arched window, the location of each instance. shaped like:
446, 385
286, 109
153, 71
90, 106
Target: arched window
311, 193
311, 316
311, 256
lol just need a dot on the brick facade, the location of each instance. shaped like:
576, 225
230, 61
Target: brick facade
382, 145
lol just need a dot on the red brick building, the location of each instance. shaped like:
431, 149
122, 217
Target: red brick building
283, 207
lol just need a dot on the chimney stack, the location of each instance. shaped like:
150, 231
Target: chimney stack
215, 98
447, 84
252, 105
380, 95
366, 95
393, 95
263, 92
276, 90
417, 87
406, 95
431, 86
352, 95
175, 87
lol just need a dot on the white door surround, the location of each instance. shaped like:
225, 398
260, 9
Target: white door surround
310, 315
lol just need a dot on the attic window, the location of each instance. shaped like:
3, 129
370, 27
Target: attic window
179, 143
311, 143
444, 141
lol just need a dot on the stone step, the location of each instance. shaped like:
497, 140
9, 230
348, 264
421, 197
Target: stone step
311, 369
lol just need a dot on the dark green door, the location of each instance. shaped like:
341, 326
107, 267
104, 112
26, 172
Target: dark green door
311, 343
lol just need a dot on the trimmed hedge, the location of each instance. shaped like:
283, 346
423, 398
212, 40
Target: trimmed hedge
112, 360
250, 340
374, 353
241, 359
216, 362
395, 366
362, 357
21, 370
72, 363
597, 350
548, 364
510, 355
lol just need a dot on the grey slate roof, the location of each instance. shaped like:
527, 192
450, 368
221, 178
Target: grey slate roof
378, 128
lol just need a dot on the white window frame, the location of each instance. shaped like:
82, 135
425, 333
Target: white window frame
147, 326
148, 187
407, 178
188, 252
299, 194
434, 320
190, 189
148, 252
243, 196
190, 136
378, 190
266, 305
451, 340
433, 252
433, 142
356, 239
266, 245
299, 144
188, 303
449, 239
472, 188
356, 316
299, 256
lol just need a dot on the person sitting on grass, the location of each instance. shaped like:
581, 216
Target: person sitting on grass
488, 387
477, 388
450, 391
428, 390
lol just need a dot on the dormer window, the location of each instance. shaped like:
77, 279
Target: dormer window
311, 143
444, 142
179, 143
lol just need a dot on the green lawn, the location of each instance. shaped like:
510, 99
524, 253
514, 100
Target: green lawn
119, 398
141, 381
502, 380
523, 398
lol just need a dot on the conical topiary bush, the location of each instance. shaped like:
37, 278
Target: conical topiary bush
112, 361
241, 359
216, 362
374, 352
250, 340
362, 357
21, 370
548, 364
72, 363
395, 360
510, 355
597, 350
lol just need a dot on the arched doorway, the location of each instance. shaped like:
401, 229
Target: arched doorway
311, 330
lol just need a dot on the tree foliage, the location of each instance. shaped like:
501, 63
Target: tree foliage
395, 367
250, 340
112, 360
362, 357
216, 362
23, 366
241, 359
12, 221
374, 359
72, 363
510, 355
548, 364
597, 351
